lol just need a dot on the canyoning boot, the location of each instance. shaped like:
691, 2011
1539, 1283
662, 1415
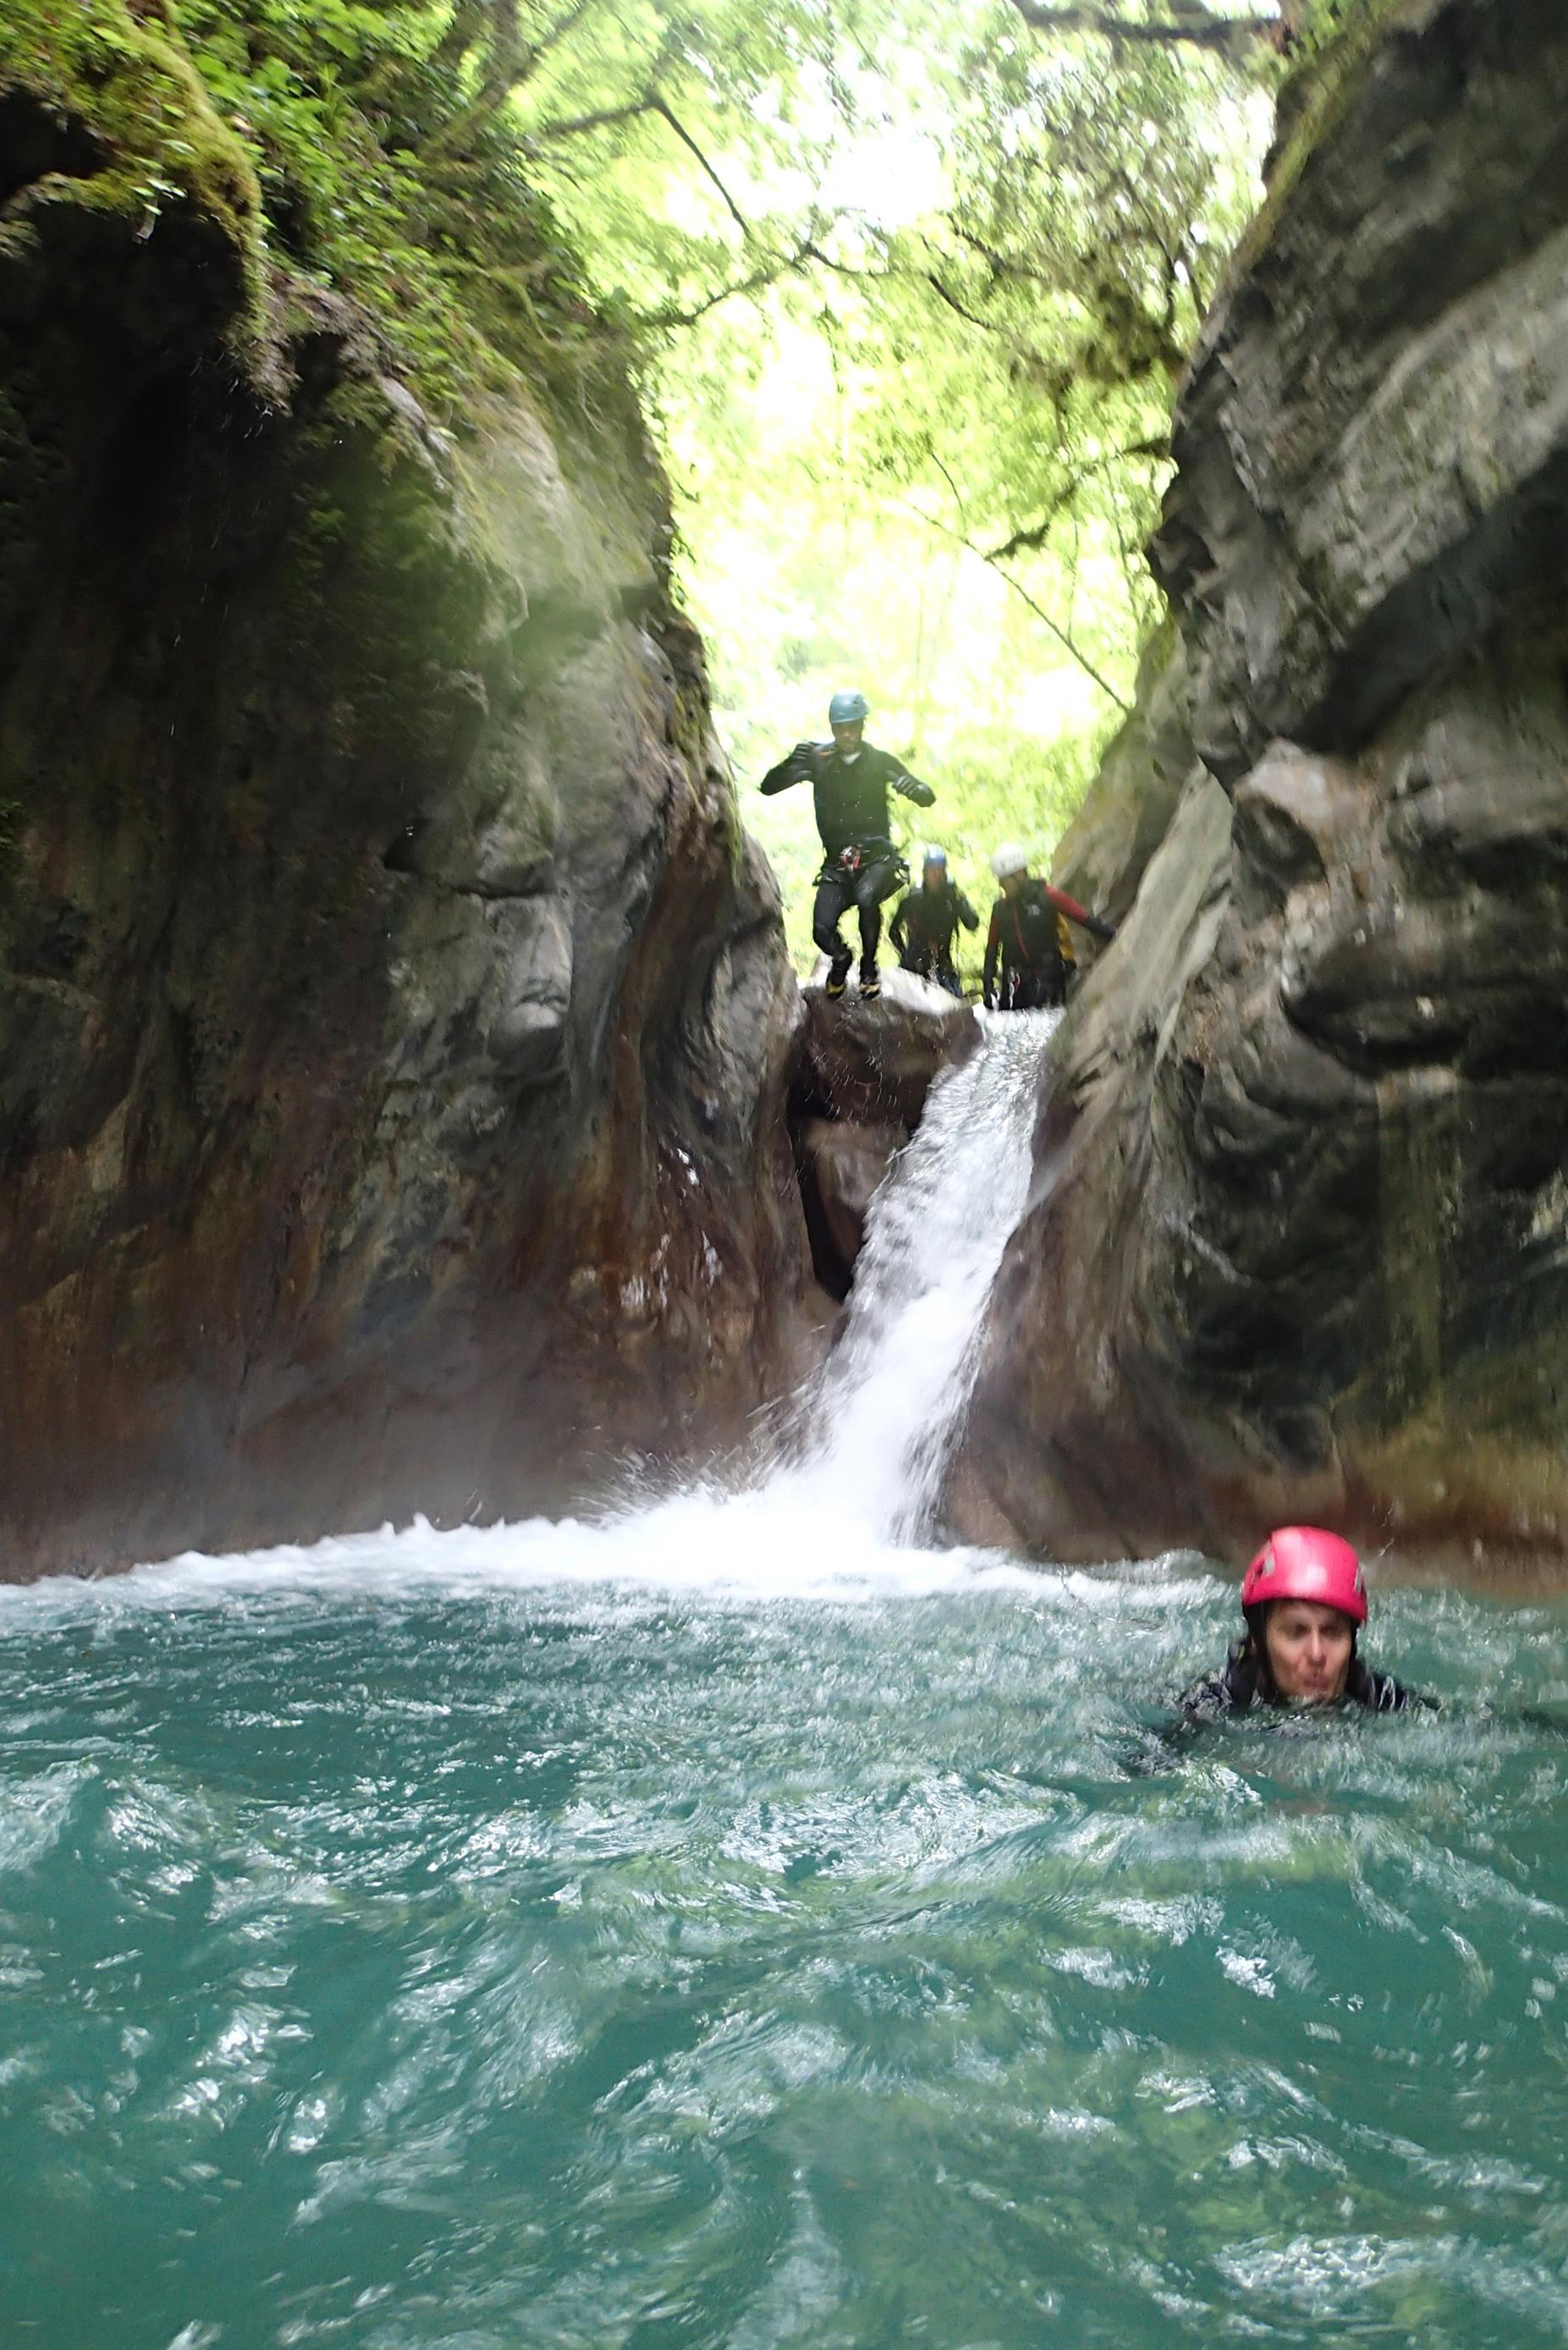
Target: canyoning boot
833, 986
870, 979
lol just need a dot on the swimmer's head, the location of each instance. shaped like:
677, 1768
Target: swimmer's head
1304, 1598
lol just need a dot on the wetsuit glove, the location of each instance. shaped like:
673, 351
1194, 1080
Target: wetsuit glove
907, 788
1099, 929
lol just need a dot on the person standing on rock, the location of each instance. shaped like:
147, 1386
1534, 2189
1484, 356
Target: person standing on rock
850, 781
1028, 957
927, 924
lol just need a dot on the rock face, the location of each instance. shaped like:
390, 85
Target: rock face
862, 1075
395, 1022
1299, 1243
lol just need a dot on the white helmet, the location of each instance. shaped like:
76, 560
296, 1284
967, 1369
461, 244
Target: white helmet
1010, 858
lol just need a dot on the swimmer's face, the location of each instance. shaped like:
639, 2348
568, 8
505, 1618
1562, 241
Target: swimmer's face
847, 738
1310, 1648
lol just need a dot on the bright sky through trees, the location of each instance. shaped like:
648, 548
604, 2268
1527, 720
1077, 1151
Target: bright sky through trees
923, 456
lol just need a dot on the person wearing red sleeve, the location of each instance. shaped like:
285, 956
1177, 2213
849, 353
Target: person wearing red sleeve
1029, 957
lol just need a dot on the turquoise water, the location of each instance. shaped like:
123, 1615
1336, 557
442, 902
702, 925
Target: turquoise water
736, 1925
534, 1938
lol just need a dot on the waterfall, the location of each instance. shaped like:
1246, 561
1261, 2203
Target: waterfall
875, 1431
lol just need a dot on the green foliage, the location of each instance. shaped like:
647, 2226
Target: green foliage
159, 142
385, 174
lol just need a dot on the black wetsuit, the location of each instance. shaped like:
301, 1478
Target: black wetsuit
860, 865
1239, 1686
924, 928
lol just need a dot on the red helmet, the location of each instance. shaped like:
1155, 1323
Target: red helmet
1306, 1563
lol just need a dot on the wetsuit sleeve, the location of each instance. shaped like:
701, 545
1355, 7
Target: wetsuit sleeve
966, 913
898, 929
1079, 914
795, 769
909, 787
1162, 1747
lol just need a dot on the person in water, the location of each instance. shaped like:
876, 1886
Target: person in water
1028, 957
850, 781
927, 924
1304, 1601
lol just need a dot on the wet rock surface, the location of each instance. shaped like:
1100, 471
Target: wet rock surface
1297, 1242
861, 1077
395, 1021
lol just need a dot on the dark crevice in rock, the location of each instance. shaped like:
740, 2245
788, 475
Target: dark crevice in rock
37, 142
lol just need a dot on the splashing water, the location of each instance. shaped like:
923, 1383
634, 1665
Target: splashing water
728, 1926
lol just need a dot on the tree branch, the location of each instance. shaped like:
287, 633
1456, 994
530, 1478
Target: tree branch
1064, 636
540, 48
659, 106
604, 119
969, 316
1190, 23
1033, 537
778, 264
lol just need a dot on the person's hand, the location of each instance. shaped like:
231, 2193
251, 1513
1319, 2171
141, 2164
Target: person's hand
988, 1000
907, 788
1099, 929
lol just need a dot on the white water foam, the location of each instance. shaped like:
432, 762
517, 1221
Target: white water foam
847, 1512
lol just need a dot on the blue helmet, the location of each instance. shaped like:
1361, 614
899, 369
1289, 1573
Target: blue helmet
935, 856
847, 708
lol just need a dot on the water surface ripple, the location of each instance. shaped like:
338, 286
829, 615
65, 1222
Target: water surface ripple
555, 1937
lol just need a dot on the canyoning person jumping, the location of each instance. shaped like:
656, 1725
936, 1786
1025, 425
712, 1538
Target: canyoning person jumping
850, 781
927, 922
1304, 1601
1028, 957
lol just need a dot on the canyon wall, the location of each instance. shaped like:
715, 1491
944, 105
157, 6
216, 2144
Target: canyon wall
1299, 1238
395, 1019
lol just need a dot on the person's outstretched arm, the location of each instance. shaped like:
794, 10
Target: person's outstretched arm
793, 769
898, 930
1079, 914
966, 913
988, 976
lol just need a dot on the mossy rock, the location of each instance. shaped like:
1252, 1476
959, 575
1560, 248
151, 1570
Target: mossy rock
1313, 102
135, 135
